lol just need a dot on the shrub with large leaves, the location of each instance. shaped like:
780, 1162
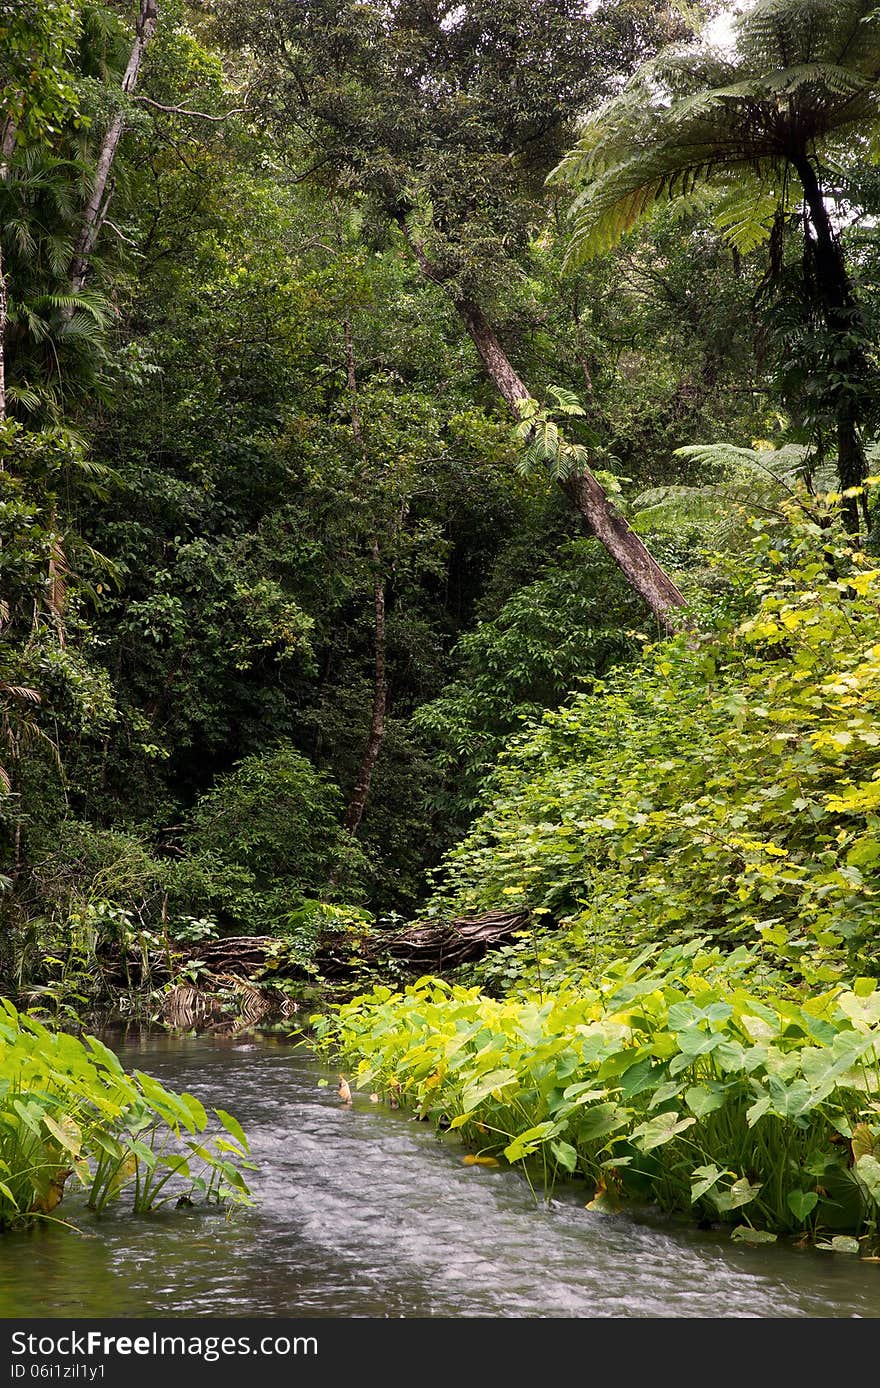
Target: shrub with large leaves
730, 786
668, 1078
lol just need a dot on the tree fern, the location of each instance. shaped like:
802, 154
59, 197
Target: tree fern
744, 482
804, 71
804, 76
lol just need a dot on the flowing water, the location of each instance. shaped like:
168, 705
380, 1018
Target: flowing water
363, 1212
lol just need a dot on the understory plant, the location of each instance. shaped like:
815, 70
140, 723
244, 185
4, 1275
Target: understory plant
69, 1109
729, 785
671, 1079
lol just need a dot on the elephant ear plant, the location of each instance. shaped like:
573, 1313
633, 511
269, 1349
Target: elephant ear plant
69, 1109
669, 1080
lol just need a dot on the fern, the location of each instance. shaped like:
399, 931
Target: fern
543, 442
804, 71
743, 482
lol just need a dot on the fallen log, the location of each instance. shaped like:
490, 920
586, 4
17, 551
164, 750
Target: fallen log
426, 946
209, 975
434, 946
237, 965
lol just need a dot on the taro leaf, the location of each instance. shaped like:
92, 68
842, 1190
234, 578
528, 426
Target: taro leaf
862, 1012
664, 1093
682, 1015
637, 1079
802, 1203
790, 1100
66, 1133
525, 1143
742, 1192
29, 1114
476, 1092
757, 1110
104, 1055
144, 1153
659, 1130
758, 1028
729, 1056
600, 1120
565, 1154
868, 1171
702, 1099
704, 1178
694, 1042
744, 1234
232, 1126
583, 1091
197, 1111
841, 1243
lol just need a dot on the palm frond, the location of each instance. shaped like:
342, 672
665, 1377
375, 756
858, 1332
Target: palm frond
20, 691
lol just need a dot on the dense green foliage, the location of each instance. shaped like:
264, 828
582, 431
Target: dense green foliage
666, 1078
306, 626
67, 1108
727, 786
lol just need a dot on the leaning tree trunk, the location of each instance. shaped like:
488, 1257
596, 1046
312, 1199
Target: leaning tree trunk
7, 145
96, 208
842, 314
625, 547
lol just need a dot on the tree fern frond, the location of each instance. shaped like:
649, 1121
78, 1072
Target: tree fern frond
746, 218
730, 461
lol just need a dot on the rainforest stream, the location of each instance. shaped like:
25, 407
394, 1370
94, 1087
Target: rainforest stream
362, 1212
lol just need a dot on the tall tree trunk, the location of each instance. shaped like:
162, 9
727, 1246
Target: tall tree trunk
842, 313
7, 140
360, 794
625, 547
96, 208
7, 145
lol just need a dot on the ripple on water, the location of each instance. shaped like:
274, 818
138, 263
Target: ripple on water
363, 1212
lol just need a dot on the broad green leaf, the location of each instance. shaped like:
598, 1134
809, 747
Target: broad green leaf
802, 1203
565, 1154
486, 1085
742, 1192
66, 1132
743, 1233
599, 1121
703, 1099
659, 1130
867, 1168
524, 1144
233, 1127
703, 1179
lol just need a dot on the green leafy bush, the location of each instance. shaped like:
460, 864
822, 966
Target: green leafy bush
728, 786
68, 1108
564, 629
265, 837
670, 1079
